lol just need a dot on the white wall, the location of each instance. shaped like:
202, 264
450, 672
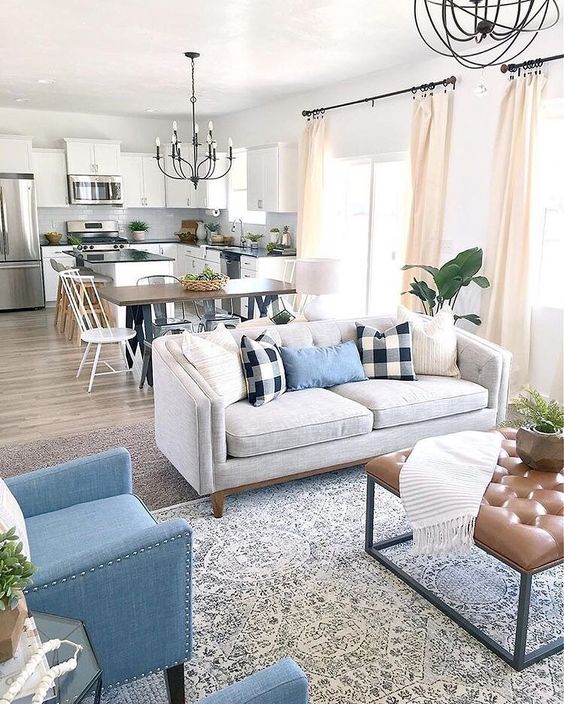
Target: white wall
49, 128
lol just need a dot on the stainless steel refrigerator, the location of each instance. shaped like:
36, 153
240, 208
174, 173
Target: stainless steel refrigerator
21, 276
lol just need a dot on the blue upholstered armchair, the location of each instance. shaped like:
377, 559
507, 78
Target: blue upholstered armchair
283, 683
102, 558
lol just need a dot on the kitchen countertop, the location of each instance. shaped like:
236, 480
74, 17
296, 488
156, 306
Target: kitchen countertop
122, 256
247, 251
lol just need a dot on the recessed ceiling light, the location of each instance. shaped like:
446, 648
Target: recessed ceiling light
150, 110
22, 100
46, 81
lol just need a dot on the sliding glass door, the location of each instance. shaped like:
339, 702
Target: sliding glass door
371, 209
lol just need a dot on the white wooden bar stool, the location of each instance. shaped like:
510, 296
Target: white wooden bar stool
94, 324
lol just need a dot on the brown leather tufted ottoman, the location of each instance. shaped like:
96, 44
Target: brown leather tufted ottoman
521, 522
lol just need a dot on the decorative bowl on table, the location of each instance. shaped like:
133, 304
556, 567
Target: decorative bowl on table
208, 280
186, 236
53, 237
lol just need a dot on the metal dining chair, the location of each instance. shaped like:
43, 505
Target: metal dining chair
94, 324
162, 322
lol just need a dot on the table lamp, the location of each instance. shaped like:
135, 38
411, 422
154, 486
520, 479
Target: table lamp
316, 280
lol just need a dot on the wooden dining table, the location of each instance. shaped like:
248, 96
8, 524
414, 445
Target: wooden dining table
138, 301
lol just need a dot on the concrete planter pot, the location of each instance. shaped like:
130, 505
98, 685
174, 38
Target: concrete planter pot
138, 235
11, 629
541, 451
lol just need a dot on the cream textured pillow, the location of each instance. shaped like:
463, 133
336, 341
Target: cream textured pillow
217, 358
11, 516
434, 342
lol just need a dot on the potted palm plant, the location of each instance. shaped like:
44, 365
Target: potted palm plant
540, 438
15, 575
138, 228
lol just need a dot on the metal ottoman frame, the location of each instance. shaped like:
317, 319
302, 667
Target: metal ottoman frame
519, 659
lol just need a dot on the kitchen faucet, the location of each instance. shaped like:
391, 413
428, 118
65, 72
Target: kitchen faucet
242, 237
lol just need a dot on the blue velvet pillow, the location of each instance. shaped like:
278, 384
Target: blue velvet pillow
321, 367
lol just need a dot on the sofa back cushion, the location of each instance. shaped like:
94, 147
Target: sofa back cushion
321, 367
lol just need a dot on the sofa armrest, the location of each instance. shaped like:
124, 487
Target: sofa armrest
134, 597
78, 481
189, 416
486, 364
283, 683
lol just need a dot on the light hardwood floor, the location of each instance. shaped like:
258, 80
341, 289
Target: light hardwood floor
39, 394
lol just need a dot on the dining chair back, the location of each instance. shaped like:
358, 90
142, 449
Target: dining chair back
94, 323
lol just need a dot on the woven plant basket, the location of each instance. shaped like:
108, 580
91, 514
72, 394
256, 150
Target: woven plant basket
215, 285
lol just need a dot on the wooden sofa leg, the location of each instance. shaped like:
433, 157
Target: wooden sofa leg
174, 678
218, 503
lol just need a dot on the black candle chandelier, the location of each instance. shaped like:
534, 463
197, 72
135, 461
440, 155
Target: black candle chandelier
480, 33
195, 169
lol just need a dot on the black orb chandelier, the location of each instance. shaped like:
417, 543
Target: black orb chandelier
480, 33
194, 169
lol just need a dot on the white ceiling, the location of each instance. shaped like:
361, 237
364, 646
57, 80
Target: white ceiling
123, 57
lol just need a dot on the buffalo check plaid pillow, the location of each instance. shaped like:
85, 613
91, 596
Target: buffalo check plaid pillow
264, 370
388, 354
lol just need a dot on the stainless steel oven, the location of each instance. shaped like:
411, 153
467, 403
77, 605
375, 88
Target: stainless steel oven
96, 190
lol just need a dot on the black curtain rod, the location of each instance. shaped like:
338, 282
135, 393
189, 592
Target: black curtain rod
530, 64
425, 87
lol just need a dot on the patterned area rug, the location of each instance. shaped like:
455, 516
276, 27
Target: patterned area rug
285, 573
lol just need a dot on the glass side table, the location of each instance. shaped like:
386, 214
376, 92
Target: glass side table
86, 679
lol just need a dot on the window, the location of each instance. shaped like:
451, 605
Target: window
371, 201
548, 211
237, 192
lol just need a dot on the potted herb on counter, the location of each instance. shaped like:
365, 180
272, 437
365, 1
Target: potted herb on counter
15, 576
138, 228
254, 239
540, 438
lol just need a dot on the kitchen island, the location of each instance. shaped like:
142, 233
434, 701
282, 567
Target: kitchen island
126, 267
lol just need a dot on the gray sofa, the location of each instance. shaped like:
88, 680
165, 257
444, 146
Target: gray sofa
223, 450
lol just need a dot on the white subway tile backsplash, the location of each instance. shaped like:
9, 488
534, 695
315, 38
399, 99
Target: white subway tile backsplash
163, 222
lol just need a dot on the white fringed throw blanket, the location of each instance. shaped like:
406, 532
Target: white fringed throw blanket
442, 484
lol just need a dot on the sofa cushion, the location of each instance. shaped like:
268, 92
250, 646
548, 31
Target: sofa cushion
394, 402
295, 419
388, 354
76, 529
264, 369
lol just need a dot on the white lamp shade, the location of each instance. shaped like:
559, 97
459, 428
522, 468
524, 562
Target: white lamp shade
317, 277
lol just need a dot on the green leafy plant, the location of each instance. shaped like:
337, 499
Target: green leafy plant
15, 570
207, 274
253, 237
212, 227
73, 240
271, 246
274, 230
449, 280
138, 226
538, 413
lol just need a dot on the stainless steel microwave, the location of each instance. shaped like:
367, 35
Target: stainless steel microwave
96, 190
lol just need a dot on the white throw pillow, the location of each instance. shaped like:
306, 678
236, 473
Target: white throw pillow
11, 516
217, 358
434, 342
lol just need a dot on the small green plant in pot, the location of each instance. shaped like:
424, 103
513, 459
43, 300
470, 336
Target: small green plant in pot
540, 438
449, 281
254, 239
15, 576
138, 228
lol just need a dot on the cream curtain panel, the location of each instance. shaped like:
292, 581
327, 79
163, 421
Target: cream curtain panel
429, 156
508, 316
313, 156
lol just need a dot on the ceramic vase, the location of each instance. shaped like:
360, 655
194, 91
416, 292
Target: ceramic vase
541, 451
11, 629
201, 232
138, 235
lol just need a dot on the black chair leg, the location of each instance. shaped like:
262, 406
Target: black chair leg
174, 677
145, 366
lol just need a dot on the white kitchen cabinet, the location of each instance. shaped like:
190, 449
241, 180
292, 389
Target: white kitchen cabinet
50, 276
146, 247
272, 178
50, 170
210, 195
93, 157
143, 182
15, 154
